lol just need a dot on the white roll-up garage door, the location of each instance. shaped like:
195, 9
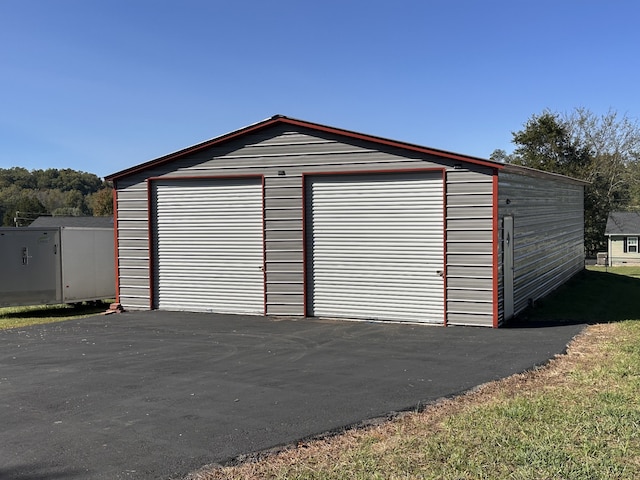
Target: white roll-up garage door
209, 245
375, 246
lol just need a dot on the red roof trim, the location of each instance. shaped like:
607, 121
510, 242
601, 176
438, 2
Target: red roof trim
393, 143
280, 119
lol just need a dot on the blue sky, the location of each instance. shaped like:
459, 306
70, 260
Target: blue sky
101, 86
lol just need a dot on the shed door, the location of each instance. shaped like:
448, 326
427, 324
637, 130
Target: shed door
375, 247
209, 245
30, 266
507, 249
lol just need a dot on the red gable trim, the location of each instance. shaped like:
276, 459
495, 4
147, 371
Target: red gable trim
186, 151
280, 119
393, 143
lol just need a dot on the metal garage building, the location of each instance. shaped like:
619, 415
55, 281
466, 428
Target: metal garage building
291, 218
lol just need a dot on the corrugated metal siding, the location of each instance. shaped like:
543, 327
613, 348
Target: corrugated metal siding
375, 245
469, 247
282, 155
283, 244
133, 245
548, 217
209, 245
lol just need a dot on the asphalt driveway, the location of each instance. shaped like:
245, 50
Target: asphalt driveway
155, 395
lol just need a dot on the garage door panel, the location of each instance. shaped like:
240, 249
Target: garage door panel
209, 245
375, 246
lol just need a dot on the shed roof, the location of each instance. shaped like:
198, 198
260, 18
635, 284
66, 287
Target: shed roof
623, 223
64, 221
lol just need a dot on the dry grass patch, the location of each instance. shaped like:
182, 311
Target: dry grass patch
577, 418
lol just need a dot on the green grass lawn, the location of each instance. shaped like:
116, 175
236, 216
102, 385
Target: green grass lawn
576, 418
13, 317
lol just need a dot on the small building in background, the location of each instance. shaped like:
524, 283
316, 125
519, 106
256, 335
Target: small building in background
623, 234
57, 260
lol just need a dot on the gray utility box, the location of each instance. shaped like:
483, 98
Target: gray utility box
54, 265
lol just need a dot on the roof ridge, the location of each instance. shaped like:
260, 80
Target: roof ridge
279, 118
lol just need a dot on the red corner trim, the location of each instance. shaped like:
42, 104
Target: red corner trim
116, 244
305, 252
496, 239
150, 237
444, 248
264, 249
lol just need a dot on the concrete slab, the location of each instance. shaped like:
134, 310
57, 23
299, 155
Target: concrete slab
160, 394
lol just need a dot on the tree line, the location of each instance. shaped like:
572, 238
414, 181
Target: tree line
601, 149
25, 195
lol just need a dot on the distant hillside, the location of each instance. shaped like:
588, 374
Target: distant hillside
24, 194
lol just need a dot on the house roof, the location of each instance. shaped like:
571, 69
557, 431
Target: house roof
62, 221
623, 223
281, 119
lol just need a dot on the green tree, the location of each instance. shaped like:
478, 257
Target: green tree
613, 143
633, 171
101, 202
75, 203
8, 197
545, 143
52, 199
500, 156
24, 210
61, 192
66, 180
17, 176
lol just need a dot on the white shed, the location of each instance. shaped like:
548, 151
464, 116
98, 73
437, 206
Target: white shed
57, 260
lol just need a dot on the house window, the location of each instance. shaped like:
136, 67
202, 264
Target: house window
632, 244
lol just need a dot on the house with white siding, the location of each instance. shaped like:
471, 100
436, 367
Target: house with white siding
622, 232
287, 217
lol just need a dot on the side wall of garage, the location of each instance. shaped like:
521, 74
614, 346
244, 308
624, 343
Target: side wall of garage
282, 154
548, 227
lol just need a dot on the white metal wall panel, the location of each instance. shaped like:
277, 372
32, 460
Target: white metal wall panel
209, 245
87, 264
375, 246
30, 260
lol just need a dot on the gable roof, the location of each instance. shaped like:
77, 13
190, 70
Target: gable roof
623, 223
63, 221
281, 119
